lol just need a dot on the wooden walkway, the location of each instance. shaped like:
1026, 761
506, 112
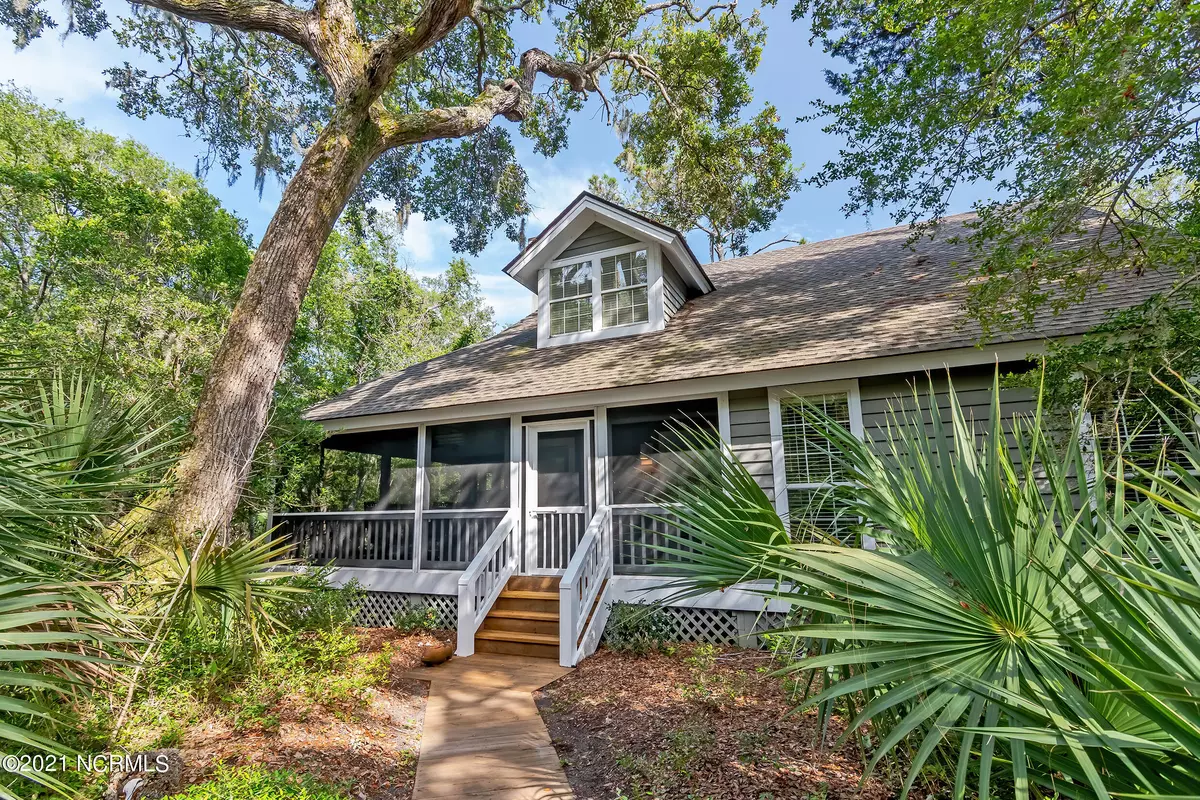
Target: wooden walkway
483, 735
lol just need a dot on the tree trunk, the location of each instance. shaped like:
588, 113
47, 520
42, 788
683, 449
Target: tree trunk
232, 413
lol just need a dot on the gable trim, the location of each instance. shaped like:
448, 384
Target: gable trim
579, 216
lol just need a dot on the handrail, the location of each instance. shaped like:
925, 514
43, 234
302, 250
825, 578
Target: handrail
394, 512
588, 573
463, 512
484, 579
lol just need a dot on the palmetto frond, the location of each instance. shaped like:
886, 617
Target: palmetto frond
990, 610
220, 584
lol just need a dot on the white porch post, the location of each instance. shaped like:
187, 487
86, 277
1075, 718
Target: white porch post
602, 498
420, 492
515, 441
723, 425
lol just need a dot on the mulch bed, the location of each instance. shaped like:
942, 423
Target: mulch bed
372, 750
694, 724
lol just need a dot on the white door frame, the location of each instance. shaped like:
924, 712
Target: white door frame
529, 528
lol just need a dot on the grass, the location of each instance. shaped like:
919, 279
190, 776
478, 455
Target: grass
256, 783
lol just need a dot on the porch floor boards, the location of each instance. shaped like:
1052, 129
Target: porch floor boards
484, 738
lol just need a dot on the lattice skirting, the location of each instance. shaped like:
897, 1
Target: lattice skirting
379, 609
720, 625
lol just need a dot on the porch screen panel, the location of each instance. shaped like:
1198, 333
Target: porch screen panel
371, 471
641, 445
469, 465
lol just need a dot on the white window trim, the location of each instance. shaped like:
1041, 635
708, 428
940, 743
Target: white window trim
778, 462
654, 299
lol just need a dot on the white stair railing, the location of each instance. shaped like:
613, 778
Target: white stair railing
584, 587
484, 579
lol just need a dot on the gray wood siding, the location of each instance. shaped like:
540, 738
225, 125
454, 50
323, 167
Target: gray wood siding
596, 238
674, 290
750, 421
973, 387
750, 434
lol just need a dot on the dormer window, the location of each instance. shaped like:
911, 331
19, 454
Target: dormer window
601, 271
607, 292
624, 288
571, 298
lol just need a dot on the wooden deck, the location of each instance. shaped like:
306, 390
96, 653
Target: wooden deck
483, 735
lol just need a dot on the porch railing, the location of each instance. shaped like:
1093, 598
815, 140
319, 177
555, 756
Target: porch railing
454, 536
449, 538
484, 579
582, 593
351, 539
558, 536
637, 534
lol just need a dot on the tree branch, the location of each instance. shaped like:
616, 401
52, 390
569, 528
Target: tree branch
511, 99
688, 8
436, 19
250, 16
503, 99
581, 76
780, 240
503, 10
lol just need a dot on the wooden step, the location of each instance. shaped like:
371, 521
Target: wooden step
494, 622
517, 643
534, 583
512, 613
498, 647
523, 594
518, 636
541, 606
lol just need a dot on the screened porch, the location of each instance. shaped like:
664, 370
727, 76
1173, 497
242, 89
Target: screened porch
427, 498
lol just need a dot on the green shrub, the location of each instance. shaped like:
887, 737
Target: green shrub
637, 628
314, 660
416, 617
256, 783
324, 606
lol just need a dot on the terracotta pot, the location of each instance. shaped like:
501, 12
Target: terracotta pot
433, 654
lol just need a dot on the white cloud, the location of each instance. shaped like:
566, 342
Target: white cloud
551, 190
423, 238
70, 73
510, 303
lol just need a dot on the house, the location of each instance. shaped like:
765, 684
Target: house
513, 496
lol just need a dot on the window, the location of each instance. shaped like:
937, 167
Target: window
808, 467
601, 295
623, 289
571, 298
1138, 430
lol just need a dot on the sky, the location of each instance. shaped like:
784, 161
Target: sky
68, 75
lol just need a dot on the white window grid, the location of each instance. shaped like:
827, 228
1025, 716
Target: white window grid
571, 303
650, 313
808, 477
628, 302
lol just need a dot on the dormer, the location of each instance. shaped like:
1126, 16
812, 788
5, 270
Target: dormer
602, 271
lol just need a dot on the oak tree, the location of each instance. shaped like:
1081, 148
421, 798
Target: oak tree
406, 100
726, 176
1081, 117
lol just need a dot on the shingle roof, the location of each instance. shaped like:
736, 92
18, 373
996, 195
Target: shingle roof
856, 297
